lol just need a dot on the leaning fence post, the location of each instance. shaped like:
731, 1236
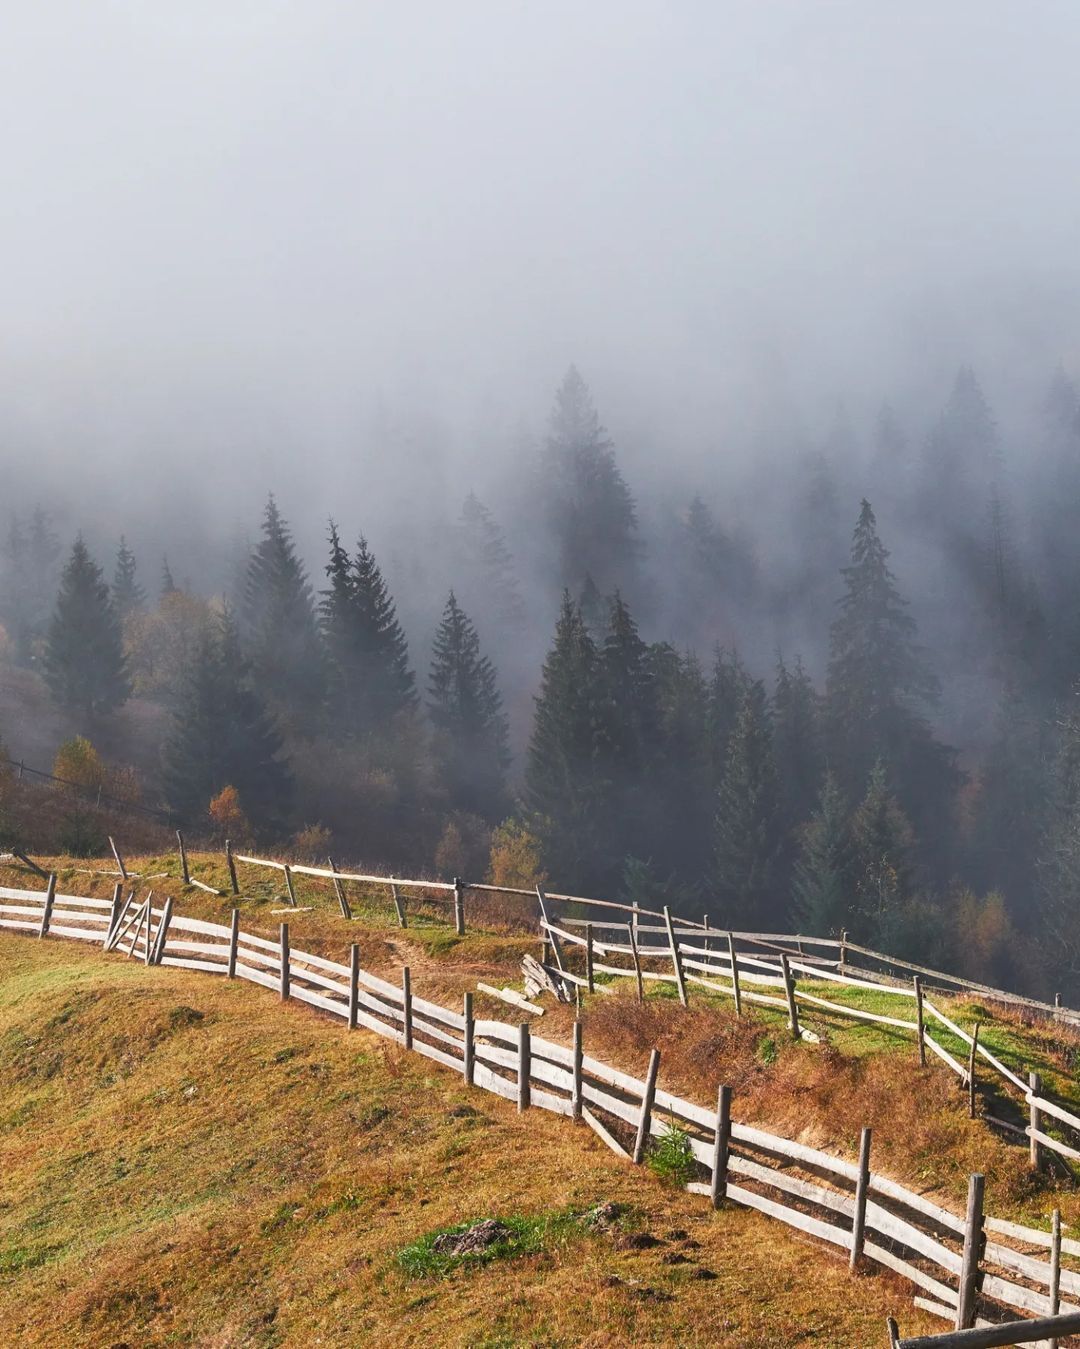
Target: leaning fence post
971, 1070
459, 906
1035, 1153
231, 864
339, 890
736, 992
721, 1146
289, 885
893, 1332
647, 1098
163, 931
284, 960
50, 896
589, 958
406, 1005
399, 907
575, 1097
862, 1186
919, 1020
119, 859
183, 858
524, 1066
1055, 1268
234, 941
114, 914
676, 959
969, 1270
354, 984
789, 989
637, 962
470, 1041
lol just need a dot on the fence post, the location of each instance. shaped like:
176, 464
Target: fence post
459, 906
575, 1098
789, 989
339, 890
470, 1041
399, 907
354, 983
183, 858
705, 925
635, 917
1055, 1267
919, 1019
862, 1186
114, 914
1035, 1154
971, 1070
721, 1146
843, 949
589, 958
50, 897
736, 992
119, 859
676, 959
647, 1098
289, 885
234, 941
969, 1271
893, 1332
163, 931
231, 864
637, 962
284, 961
406, 1005
524, 1066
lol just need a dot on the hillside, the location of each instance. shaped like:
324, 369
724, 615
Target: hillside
186, 1161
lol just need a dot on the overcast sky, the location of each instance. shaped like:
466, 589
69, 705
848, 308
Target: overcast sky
247, 226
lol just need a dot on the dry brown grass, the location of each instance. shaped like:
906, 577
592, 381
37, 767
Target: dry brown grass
184, 1160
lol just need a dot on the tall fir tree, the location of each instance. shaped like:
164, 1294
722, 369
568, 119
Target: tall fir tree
385, 685
128, 595
222, 735
563, 787
797, 742
679, 777
824, 873
883, 846
168, 585
279, 624
84, 658
471, 732
746, 829
590, 508
489, 566
1056, 941
726, 690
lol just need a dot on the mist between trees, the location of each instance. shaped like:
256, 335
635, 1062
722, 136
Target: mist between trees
610, 692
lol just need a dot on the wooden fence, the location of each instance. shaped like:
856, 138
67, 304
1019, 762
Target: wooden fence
956, 1263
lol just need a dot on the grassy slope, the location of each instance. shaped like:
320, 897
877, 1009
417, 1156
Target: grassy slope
184, 1160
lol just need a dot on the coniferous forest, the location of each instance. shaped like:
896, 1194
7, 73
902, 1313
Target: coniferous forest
845, 695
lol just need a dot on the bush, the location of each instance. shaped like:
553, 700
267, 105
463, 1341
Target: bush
312, 843
463, 846
227, 818
671, 1157
514, 859
79, 762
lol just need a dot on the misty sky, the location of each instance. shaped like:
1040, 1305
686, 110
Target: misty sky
255, 233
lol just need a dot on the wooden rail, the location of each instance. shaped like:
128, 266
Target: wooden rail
843, 1203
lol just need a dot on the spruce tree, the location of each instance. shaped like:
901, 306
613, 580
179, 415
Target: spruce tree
384, 686
797, 749
128, 595
883, 847
590, 509
84, 659
489, 566
824, 873
168, 585
562, 782
222, 735
677, 786
1058, 870
746, 828
726, 689
279, 622
466, 711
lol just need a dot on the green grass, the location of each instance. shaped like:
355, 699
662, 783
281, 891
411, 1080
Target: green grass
528, 1235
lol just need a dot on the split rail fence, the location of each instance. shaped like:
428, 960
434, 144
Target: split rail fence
959, 1264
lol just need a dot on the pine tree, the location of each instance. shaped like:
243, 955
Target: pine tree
128, 595
466, 711
745, 836
883, 846
489, 565
384, 685
678, 784
563, 788
84, 658
590, 508
726, 690
168, 585
32, 551
797, 749
222, 735
279, 622
824, 890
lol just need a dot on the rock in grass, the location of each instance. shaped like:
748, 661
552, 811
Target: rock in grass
476, 1238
